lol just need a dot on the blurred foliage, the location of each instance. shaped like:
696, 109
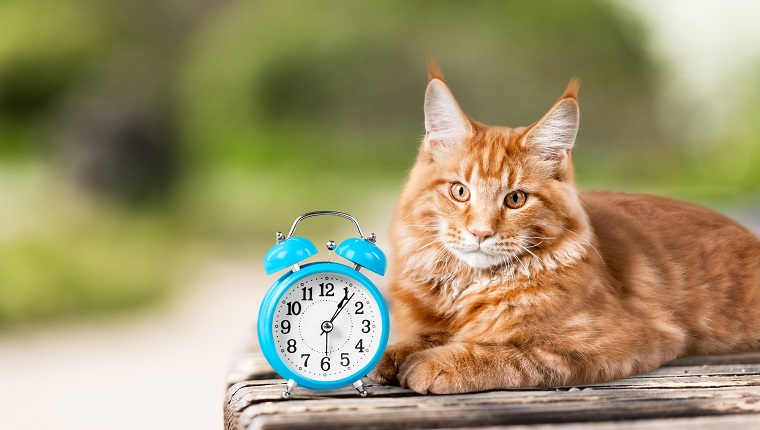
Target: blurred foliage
95, 268
135, 132
63, 253
261, 78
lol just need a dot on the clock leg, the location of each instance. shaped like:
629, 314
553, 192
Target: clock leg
289, 389
360, 388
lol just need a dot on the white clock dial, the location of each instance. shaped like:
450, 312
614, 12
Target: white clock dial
326, 326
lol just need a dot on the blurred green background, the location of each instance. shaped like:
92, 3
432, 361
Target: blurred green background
141, 138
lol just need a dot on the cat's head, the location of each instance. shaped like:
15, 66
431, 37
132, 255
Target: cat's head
491, 196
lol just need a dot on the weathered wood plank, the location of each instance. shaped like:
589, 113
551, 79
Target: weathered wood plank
258, 404
733, 422
690, 387
700, 360
498, 408
717, 369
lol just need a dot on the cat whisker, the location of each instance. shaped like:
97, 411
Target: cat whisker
534, 255
534, 237
533, 244
506, 284
433, 242
526, 268
417, 240
436, 258
407, 216
446, 261
584, 239
519, 244
503, 266
420, 225
439, 247
410, 214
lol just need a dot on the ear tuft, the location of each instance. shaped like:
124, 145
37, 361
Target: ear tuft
572, 89
434, 72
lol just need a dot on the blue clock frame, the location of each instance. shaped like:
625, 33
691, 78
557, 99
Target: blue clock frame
266, 317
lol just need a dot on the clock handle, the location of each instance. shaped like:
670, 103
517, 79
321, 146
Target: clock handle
320, 213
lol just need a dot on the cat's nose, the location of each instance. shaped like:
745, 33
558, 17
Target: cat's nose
481, 235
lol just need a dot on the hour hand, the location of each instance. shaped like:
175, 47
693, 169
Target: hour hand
345, 297
340, 305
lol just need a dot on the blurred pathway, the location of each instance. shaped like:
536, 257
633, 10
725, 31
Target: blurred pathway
161, 369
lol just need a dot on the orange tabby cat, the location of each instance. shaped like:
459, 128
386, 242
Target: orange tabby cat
504, 275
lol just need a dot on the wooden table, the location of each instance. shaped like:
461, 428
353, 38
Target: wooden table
710, 392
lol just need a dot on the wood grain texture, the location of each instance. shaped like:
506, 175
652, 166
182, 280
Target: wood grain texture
702, 392
733, 422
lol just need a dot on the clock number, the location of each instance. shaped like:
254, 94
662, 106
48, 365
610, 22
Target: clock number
326, 290
307, 290
306, 360
344, 361
326, 364
285, 326
359, 308
365, 329
360, 346
294, 308
291, 345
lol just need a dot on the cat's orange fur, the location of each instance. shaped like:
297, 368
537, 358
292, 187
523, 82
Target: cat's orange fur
570, 288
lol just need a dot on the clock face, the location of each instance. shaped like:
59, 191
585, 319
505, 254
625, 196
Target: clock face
327, 326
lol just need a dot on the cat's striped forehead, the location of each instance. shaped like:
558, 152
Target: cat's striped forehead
493, 156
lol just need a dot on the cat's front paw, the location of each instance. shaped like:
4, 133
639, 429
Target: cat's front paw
386, 371
427, 372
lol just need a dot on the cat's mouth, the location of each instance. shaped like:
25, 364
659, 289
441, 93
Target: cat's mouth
477, 257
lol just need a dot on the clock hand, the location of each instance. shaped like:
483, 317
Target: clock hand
341, 305
326, 334
341, 308
337, 310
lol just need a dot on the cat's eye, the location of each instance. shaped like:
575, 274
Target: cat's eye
459, 192
515, 199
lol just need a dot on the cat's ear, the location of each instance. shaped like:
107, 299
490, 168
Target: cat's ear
553, 136
445, 123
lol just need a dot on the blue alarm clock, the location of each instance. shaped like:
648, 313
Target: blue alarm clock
323, 325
